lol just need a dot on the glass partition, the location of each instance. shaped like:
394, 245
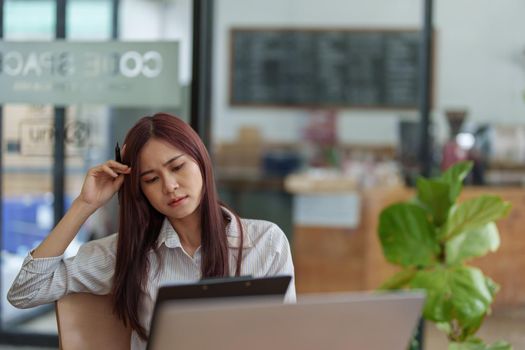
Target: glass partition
29, 20
27, 200
91, 131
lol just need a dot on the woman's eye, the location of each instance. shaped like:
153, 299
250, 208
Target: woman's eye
152, 180
178, 167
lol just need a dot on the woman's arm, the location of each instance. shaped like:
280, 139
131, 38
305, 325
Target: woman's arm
45, 276
45, 280
99, 186
65, 231
281, 262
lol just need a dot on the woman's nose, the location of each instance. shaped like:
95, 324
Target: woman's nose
171, 185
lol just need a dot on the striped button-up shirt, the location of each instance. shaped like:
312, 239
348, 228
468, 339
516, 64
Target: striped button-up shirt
266, 252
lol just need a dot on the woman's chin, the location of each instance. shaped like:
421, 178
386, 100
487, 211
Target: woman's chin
179, 213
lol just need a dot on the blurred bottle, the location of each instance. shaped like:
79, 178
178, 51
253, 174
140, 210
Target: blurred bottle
453, 152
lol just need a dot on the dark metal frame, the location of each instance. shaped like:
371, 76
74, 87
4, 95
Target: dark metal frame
201, 69
425, 123
425, 84
59, 162
114, 18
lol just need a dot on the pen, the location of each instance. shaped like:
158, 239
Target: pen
117, 153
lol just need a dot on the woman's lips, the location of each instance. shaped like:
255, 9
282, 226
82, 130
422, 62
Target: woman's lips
177, 201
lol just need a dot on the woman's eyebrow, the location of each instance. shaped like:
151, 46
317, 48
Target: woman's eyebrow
165, 164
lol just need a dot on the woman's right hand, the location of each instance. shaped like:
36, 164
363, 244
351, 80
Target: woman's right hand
102, 182
99, 186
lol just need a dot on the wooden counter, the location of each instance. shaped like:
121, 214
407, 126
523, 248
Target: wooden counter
329, 259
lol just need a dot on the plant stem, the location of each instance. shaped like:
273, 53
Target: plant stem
442, 254
455, 331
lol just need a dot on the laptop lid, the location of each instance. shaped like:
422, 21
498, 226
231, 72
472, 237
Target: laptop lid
351, 321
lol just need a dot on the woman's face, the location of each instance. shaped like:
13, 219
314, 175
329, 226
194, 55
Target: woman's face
170, 179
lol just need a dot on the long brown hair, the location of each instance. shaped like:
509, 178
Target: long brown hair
140, 223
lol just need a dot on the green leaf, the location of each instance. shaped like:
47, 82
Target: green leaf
399, 280
472, 243
444, 327
474, 344
438, 304
457, 292
474, 213
454, 176
407, 238
471, 327
434, 195
477, 344
471, 344
500, 345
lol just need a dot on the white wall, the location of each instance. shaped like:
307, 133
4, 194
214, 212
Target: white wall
480, 62
481, 58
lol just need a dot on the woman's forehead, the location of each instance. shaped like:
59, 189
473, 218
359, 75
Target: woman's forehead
157, 150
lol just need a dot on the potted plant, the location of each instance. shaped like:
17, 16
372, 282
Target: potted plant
431, 237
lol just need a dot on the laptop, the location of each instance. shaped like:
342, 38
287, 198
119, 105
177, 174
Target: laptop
349, 321
271, 288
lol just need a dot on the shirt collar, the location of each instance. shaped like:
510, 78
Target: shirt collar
169, 237
233, 232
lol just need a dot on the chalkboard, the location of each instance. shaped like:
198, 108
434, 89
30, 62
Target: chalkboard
324, 68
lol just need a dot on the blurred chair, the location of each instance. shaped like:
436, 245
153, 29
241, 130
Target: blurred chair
86, 321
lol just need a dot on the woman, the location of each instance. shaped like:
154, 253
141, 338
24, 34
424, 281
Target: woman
172, 228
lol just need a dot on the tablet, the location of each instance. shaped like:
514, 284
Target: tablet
243, 286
